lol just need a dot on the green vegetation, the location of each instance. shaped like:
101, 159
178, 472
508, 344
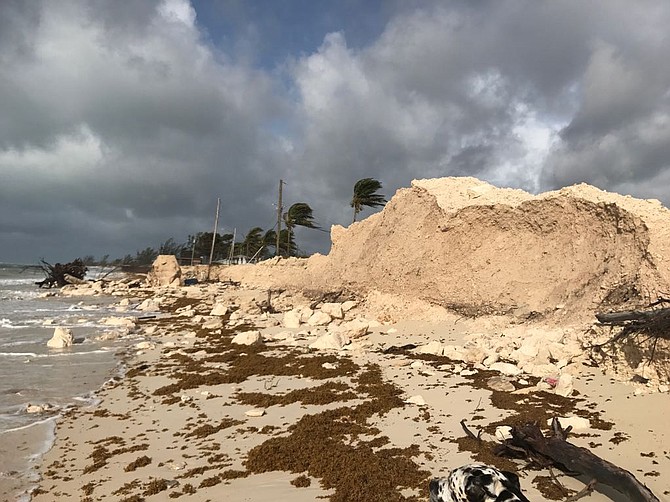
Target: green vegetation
365, 194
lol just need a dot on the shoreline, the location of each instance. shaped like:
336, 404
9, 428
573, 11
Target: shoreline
200, 417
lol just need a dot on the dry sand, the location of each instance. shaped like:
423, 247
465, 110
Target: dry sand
476, 279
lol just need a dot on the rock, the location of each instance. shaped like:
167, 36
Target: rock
333, 341
126, 322
467, 372
503, 432
418, 400
150, 305
564, 385
453, 352
219, 310
577, 423
291, 319
61, 338
213, 323
334, 310
506, 368
305, 314
355, 328
185, 399
348, 305
319, 319
248, 338
417, 365
329, 366
500, 384
257, 412
145, 345
433, 347
165, 271
38, 408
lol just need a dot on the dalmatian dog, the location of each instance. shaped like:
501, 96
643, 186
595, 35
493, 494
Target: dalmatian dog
477, 483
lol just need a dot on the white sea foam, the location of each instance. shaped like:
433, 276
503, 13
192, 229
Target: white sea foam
32, 424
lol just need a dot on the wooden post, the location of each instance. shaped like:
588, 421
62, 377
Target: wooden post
216, 227
279, 211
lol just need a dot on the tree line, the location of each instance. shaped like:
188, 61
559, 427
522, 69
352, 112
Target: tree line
258, 244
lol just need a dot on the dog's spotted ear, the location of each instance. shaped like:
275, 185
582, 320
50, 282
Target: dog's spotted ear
513, 479
479, 486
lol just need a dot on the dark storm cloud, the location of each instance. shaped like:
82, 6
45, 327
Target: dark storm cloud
122, 122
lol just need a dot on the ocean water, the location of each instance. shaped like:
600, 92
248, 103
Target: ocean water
32, 373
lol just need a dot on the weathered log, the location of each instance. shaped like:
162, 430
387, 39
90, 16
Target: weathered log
580, 460
622, 318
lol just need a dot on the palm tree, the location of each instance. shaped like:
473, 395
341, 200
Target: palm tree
365, 195
253, 241
298, 215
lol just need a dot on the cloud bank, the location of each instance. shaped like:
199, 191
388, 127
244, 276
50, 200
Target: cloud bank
120, 125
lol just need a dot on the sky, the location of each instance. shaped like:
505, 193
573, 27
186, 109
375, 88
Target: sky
121, 123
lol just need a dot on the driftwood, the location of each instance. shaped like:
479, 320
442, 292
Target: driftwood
555, 449
62, 274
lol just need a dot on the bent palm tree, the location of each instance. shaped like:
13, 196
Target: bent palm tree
298, 215
365, 195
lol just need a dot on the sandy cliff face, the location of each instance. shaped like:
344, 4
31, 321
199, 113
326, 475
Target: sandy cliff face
466, 245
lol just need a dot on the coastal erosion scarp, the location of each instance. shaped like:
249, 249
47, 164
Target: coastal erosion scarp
475, 249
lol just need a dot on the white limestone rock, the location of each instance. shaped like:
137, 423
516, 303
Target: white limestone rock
126, 322
165, 271
291, 319
256, 412
354, 329
62, 337
564, 385
417, 400
506, 369
577, 423
348, 305
330, 341
334, 310
213, 323
434, 348
150, 305
319, 319
503, 432
248, 338
219, 310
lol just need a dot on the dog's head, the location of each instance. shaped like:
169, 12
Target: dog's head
477, 483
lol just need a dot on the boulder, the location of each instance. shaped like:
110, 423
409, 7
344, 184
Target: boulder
150, 305
213, 323
348, 305
506, 368
334, 310
219, 309
165, 271
434, 348
332, 341
319, 319
500, 384
61, 338
291, 319
248, 338
355, 328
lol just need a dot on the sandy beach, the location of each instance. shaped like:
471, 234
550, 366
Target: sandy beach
373, 420
347, 378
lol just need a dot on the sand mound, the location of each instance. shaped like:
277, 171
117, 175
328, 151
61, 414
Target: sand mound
471, 247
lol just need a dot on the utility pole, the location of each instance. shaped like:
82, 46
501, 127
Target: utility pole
216, 227
279, 212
